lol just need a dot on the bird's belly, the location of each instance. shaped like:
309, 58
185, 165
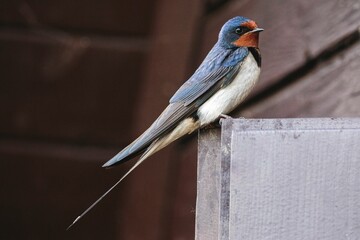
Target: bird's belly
228, 98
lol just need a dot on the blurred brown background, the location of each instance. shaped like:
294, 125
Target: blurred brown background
81, 79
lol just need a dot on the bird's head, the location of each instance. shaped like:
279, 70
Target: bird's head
239, 32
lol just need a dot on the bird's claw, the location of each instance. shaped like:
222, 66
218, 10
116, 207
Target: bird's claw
222, 117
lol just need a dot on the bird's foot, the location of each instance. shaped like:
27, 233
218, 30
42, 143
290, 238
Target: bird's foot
222, 117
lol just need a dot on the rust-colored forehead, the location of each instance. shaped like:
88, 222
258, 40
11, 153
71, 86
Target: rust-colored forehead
249, 24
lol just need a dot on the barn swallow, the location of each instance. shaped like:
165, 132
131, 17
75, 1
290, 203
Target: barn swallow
223, 80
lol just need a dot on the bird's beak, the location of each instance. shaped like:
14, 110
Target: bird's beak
256, 30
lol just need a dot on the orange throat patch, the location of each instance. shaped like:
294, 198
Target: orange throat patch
248, 40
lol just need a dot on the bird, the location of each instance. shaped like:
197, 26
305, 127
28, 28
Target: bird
222, 81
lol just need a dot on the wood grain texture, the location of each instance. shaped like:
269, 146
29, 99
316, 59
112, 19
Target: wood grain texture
100, 17
296, 183
208, 185
294, 31
288, 179
332, 89
59, 86
225, 181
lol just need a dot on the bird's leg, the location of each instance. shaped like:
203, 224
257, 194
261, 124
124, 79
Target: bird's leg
224, 116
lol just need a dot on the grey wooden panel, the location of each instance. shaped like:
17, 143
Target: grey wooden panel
291, 124
225, 180
295, 184
332, 89
284, 179
208, 185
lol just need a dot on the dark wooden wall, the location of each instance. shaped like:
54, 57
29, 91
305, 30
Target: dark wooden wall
80, 80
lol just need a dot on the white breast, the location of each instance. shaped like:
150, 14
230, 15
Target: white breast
226, 99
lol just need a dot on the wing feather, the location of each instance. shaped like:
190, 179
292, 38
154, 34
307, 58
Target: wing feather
194, 92
191, 90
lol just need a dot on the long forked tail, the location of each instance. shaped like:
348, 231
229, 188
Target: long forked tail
185, 127
143, 157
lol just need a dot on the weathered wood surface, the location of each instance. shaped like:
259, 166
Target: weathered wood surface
333, 90
208, 185
294, 31
285, 179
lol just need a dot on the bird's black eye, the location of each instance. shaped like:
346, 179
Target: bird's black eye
239, 30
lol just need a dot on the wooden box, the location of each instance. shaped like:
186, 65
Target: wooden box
279, 179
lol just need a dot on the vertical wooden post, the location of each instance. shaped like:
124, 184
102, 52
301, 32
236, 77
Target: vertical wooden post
208, 185
280, 179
